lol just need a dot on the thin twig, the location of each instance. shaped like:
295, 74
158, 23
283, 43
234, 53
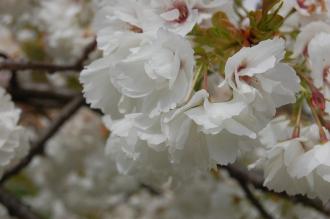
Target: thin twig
22, 94
38, 147
242, 174
11, 65
24, 65
16, 207
254, 201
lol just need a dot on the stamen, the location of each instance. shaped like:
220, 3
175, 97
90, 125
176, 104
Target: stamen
318, 100
249, 80
323, 136
183, 11
296, 130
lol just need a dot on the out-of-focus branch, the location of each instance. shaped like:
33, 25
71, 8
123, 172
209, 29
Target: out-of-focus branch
42, 94
253, 200
243, 175
87, 51
12, 65
16, 207
38, 147
24, 65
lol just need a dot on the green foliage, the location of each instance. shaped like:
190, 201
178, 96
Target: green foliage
214, 45
265, 23
267, 5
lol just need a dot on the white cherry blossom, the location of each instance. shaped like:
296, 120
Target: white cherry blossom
258, 75
315, 166
295, 165
224, 122
159, 74
218, 116
307, 33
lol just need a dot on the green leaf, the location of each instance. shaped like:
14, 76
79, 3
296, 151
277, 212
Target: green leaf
267, 5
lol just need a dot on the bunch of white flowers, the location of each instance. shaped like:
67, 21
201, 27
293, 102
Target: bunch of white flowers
144, 81
185, 85
190, 91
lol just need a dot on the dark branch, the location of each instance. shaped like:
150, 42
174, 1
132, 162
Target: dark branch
87, 51
23, 65
244, 175
23, 94
38, 147
11, 65
15, 207
254, 201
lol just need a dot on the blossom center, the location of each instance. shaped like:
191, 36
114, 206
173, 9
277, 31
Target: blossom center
183, 11
252, 81
241, 67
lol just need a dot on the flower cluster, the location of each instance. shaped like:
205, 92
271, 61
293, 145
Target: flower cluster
185, 84
147, 81
297, 155
144, 80
185, 93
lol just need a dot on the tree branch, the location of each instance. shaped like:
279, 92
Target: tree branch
11, 65
246, 176
253, 200
16, 207
38, 147
23, 94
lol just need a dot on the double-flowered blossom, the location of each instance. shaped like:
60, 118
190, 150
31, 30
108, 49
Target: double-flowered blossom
258, 75
307, 33
295, 165
158, 74
258, 85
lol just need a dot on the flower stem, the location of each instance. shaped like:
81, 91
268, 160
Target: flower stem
323, 137
296, 130
197, 76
